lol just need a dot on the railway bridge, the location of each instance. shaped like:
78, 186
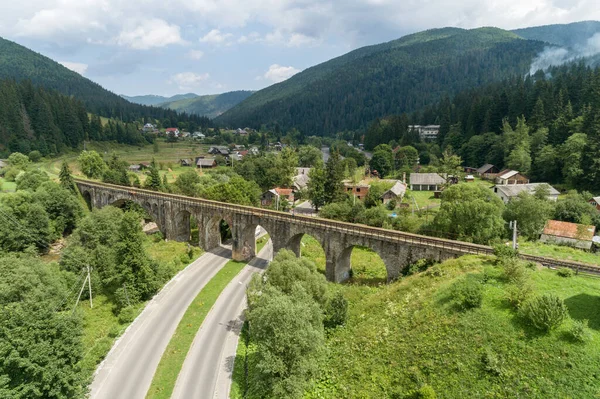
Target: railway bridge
173, 214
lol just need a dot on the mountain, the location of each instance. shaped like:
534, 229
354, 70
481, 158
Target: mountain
20, 63
348, 92
566, 35
152, 99
210, 106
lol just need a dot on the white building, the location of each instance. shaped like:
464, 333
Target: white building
426, 132
507, 192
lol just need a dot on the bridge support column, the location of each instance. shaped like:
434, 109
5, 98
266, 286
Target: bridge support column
244, 241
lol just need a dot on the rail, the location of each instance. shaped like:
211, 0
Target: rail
342, 227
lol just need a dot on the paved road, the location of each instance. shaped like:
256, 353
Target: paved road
208, 367
127, 371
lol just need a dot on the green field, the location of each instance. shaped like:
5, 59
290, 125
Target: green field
6, 186
561, 252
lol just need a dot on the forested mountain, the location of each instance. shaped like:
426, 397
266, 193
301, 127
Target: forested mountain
546, 126
210, 106
403, 75
19, 63
152, 99
567, 35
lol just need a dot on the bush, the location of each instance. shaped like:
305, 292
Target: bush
545, 312
468, 293
579, 331
127, 314
514, 270
425, 392
491, 362
504, 252
337, 311
35, 156
519, 292
565, 272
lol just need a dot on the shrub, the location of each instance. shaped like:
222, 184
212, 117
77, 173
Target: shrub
519, 292
504, 252
127, 314
337, 311
514, 270
545, 312
468, 293
491, 362
579, 331
565, 272
425, 392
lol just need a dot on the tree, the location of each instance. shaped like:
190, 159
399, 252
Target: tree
407, 156
519, 159
309, 156
450, 163
575, 208
31, 180
236, 191
91, 164
334, 173
155, 147
35, 156
187, 183
381, 162
470, 212
571, 152
153, 181
63, 207
25, 223
316, 187
530, 212
18, 160
66, 180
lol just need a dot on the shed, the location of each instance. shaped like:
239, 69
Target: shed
135, 168
426, 181
565, 233
185, 162
594, 201
359, 190
487, 171
395, 193
206, 163
270, 197
507, 192
508, 176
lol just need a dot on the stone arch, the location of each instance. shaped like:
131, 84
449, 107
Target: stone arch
344, 264
182, 225
87, 197
209, 229
295, 244
246, 241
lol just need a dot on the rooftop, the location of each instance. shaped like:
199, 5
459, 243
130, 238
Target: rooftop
514, 190
569, 230
507, 174
485, 168
426, 178
398, 188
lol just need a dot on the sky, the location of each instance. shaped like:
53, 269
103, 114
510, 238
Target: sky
137, 47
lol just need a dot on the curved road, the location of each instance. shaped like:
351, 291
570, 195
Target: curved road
208, 367
127, 371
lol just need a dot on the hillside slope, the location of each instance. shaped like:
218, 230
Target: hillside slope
20, 63
210, 106
568, 35
403, 75
152, 99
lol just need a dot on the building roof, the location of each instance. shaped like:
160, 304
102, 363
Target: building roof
302, 171
485, 168
284, 191
301, 181
426, 178
596, 199
205, 162
398, 189
172, 129
507, 174
569, 230
514, 190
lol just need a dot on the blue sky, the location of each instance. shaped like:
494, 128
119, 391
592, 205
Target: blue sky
163, 47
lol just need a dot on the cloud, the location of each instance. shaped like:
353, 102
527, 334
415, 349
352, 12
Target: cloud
553, 56
216, 37
278, 73
78, 67
188, 80
150, 33
194, 54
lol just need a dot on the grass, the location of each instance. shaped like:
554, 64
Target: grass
402, 336
261, 242
172, 360
561, 252
423, 199
7, 186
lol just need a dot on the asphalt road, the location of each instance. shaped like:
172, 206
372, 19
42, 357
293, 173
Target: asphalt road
127, 371
208, 367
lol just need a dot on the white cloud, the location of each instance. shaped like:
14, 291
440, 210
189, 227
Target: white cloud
78, 67
216, 37
194, 54
188, 80
278, 73
150, 33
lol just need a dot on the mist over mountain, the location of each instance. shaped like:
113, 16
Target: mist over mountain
152, 99
210, 105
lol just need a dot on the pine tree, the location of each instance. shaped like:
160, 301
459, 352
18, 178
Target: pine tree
334, 173
153, 181
66, 180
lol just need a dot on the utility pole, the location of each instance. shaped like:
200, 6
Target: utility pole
88, 280
513, 226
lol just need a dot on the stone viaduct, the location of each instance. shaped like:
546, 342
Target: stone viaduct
173, 214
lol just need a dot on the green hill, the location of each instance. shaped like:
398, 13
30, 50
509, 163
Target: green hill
152, 99
403, 75
210, 106
19, 63
568, 35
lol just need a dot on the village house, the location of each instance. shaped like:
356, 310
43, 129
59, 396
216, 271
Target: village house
172, 130
426, 181
395, 193
565, 233
300, 181
135, 168
594, 201
186, 162
426, 132
185, 134
205, 163
148, 127
242, 132
487, 171
198, 135
469, 178
508, 192
275, 195
508, 176
358, 190
219, 150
